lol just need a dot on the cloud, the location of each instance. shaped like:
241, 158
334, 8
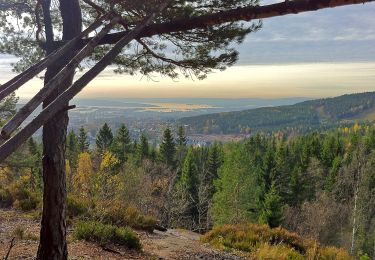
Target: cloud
336, 34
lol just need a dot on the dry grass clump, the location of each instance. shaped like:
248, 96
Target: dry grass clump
262, 242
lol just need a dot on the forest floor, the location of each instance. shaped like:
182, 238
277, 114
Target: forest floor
173, 244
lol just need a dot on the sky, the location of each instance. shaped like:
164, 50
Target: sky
316, 54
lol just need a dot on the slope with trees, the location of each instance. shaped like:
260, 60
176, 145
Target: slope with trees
302, 117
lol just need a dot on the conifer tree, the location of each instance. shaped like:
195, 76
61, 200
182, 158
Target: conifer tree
36, 169
236, 198
181, 148
143, 148
104, 139
72, 150
83, 143
8, 108
272, 210
122, 144
214, 161
187, 189
168, 149
181, 136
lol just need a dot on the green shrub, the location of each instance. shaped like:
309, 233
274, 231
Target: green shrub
116, 214
77, 206
21, 197
29, 203
6, 199
104, 234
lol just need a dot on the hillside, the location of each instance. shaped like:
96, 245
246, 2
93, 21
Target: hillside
301, 117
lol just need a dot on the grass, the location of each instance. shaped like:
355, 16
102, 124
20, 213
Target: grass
103, 234
21, 233
262, 242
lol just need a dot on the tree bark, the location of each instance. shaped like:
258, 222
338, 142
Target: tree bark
53, 243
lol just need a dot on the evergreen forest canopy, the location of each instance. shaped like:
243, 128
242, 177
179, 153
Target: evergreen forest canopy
320, 114
308, 184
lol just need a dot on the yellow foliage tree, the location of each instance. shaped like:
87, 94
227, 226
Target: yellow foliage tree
108, 177
356, 127
85, 175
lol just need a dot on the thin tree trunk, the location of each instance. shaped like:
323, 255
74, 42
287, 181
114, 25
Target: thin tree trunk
354, 229
53, 231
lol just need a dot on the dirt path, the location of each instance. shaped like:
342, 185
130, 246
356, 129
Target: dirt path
173, 244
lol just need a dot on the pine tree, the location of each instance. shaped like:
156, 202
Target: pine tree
168, 149
8, 107
72, 149
104, 139
83, 143
272, 210
122, 144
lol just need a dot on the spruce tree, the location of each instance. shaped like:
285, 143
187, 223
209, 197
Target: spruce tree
214, 161
122, 144
83, 143
272, 210
104, 139
143, 148
168, 149
187, 187
36, 169
212, 174
181, 137
72, 149
181, 148
237, 193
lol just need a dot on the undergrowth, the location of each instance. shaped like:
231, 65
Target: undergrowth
262, 242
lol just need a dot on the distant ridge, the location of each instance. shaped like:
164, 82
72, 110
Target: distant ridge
301, 117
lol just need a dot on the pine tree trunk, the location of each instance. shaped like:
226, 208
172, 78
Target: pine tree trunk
53, 231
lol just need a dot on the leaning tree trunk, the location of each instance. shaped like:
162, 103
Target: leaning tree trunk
53, 231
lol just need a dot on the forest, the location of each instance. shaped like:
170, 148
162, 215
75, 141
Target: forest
319, 185
304, 117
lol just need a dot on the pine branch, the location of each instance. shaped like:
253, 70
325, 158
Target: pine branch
239, 14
